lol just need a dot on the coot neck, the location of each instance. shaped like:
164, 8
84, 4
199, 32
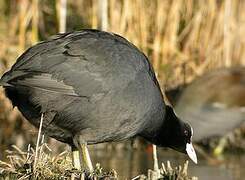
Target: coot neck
167, 123
171, 123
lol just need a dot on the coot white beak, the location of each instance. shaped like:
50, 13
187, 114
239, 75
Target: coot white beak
191, 152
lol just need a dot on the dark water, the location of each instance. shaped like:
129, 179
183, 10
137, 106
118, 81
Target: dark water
130, 163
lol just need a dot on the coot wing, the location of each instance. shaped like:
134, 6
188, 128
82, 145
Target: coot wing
84, 57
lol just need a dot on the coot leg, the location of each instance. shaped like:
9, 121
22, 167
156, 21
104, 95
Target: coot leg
85, 160
86, 157
76, 158
155, 161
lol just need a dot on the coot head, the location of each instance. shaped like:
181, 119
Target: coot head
176, 134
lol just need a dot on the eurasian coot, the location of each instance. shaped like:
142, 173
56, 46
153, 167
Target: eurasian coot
214, 103
93, 87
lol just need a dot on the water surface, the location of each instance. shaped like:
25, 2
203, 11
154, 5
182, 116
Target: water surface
130, 163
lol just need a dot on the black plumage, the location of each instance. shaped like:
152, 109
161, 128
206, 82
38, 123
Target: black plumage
95, 86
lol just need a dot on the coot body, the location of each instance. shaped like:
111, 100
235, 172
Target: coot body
214, 104
96, 87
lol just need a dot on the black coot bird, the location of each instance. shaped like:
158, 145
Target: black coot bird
93, 87
214, 104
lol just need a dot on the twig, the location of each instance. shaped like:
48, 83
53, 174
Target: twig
38, 140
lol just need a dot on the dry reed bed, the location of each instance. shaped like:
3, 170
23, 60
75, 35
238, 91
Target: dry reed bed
59, 167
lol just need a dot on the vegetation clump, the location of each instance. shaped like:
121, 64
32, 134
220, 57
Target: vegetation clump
166, 172
57, 167
22, 166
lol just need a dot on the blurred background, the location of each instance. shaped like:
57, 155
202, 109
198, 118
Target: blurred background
185, 40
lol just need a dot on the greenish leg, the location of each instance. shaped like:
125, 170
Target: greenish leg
76, 159
155, 161
80, 154
86, 157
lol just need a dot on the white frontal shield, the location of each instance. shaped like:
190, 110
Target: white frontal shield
191, 152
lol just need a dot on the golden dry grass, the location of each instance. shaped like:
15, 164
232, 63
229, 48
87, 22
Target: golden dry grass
182, 38
21, 166
57, 167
